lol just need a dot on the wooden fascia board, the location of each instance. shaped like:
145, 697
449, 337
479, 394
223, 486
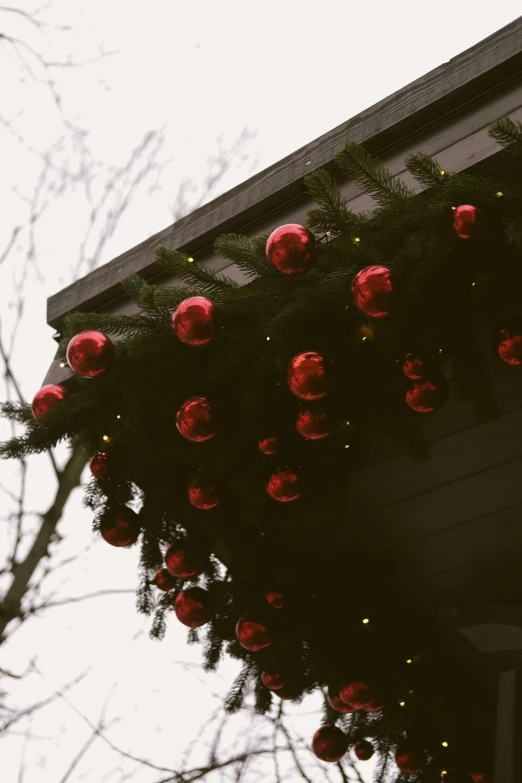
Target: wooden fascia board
423, 105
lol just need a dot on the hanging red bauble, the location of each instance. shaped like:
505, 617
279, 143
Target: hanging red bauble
99, 465
251, 635
90, 353
202, 496
275, 599
313, 425
163, 580
414, 368
193, 320
272, 680
373, 291
288, 693
181, 562
291, 248
427, 396
46, 398
363, 749
335, 701
194, 420
466, 220
329, 743
409, 759
480, 777
192, 607
307, 376
121, 528
269, 446
508, 342
283, 486
358, 696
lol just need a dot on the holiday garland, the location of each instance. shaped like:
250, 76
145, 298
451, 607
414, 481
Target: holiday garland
233, 417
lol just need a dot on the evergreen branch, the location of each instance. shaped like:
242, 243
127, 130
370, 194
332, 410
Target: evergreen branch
109, 323
176, 264
333, 215
132, 286
234, 698
16, 411
426, 170
371, 175
508, 133
247, 254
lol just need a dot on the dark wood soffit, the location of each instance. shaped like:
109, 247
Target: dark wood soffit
423, 103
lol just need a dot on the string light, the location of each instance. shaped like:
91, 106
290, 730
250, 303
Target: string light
346, 445
105, 497
444, 772
444, 744
118, 416
442, 172
346, 423
356, 240
366, 621
440, 350
364, 338
268, 338
498, 194
410, 692
106, 439
409, 660
212, 554
473, 283
402, 704
190, 260
63, 364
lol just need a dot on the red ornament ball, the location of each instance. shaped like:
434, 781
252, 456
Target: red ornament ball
291, 248
99, 465
272, 680
358, 696
193, 320
363, 749
508, 342
194, 420
427, 396
329, 743
275, 599
90, 354
409, 759
466, 220
480, 777
313, 425
283, 486
307, 376
202, 496
121, 528
251, 635
413, 367
335, 701
180, 562
46, 398
192, 607
373, 291
163, 580
269, 446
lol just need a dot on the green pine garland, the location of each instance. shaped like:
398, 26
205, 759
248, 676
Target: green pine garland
449, 290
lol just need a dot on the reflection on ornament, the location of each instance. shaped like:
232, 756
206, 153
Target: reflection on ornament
90, 353
291, 248
46, 398
193, 321
329, 743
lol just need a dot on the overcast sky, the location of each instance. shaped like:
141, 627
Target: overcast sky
287, 70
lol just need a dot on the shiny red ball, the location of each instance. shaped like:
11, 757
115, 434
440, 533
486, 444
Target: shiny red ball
508, 342
90, 353
46, 398
427, 396
335, 701
202, 496
313, 425
269, 446
192, 607
291, 248
373, 291
251, 635
364, 750
358, 696
466, 220
193, 320
180, 562
329, 743
163, 580
480, 777
99, 465
272, 680
194, 420
413, 367
283, 486
307, 376
121, 528
409, 759
275, 599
